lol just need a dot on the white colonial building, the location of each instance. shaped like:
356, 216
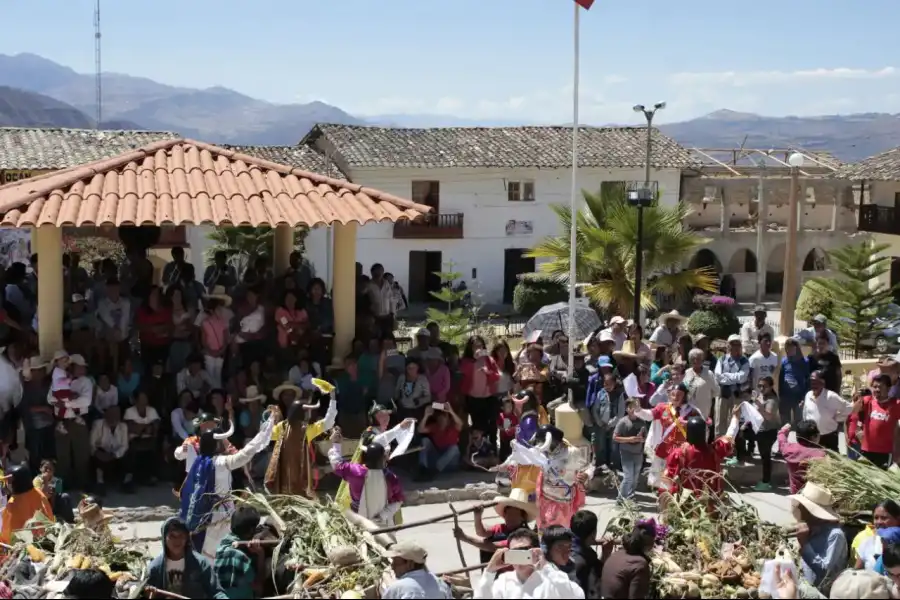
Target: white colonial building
491, 190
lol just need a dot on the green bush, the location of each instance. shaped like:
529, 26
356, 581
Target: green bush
531, 294
717, 324
814, 300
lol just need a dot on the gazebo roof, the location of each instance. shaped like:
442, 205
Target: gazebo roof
185, 182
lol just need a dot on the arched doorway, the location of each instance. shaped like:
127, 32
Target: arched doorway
743, 261
706, 258
815, 260
775, 270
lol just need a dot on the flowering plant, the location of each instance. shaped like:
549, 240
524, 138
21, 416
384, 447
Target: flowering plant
708, 301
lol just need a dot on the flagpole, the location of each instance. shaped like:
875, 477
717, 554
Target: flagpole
573, 277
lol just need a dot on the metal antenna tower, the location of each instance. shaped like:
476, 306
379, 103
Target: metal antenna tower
99, 99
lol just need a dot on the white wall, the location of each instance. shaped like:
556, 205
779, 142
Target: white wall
480, 194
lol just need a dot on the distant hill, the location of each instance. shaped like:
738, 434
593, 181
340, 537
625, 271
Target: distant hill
216, 115
19, 108
848, 137
221, 115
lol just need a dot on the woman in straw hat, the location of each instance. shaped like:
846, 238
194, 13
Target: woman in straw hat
379, 432
516, 511
292, 466
823, 545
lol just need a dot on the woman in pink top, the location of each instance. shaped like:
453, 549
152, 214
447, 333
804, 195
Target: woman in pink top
292, 322
480, 376
437, 373
215, 337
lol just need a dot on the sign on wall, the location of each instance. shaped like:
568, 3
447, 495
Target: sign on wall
12, 175
514, 227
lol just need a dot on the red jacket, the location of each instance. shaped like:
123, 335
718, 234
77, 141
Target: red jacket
467, 367
878, 423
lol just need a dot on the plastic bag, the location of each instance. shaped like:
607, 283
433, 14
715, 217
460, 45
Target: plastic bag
784, 562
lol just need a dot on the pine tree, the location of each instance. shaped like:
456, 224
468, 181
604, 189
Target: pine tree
455, 321
861, 305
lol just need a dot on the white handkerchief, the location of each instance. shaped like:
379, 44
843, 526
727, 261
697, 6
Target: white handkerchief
404, 439
750, 414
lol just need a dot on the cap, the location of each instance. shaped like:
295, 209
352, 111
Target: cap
410, 551
734, 338
616, 320
820, 318
422, 332
860, 584
77, 359
77, 298
759, 308
604, 361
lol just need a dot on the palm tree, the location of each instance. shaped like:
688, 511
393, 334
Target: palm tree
606, 242
243, 245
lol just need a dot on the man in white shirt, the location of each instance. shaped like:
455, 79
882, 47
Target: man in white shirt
114, 320
536, 578
109, 447
381, 298
73, 450
763, 362
827, 409
616, 332
143, 425
669, 329
752, 329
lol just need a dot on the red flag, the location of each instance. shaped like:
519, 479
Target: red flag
585, 4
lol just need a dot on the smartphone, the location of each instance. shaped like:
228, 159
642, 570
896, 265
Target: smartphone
438, 406
517, 557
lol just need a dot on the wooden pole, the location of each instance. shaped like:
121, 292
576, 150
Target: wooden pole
461, 571
462, 556
433, 520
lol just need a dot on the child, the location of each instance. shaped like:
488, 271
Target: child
480, 453
107, 393
629, 433
52, 486
60, 389
766, 401
507, 424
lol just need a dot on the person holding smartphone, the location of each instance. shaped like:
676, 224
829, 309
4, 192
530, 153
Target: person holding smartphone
532, 576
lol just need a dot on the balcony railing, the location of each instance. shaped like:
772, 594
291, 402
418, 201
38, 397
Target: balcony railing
879, 219
431, 227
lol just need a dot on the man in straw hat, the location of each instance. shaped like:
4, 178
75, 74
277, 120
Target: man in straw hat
292, 466
516, 510
669, 329
562, 479
823, 545
376, 493
37, 414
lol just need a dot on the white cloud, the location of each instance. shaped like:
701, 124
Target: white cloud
749, 78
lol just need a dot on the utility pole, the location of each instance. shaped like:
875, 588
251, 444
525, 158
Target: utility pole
789, 293
761, 231
97, 70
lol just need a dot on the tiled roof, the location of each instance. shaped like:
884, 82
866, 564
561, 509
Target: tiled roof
300, 157
881, 167
500, 147
39, 149
178, 181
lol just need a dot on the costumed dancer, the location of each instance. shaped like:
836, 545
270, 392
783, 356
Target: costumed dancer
562, 477
667, 429
696, 465
24, 504
375, 492
529, 410
379, 433
292, 468
190, 448
205, 504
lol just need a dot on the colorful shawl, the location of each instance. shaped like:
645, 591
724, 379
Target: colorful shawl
198, 498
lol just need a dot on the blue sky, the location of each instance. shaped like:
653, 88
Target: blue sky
491, 59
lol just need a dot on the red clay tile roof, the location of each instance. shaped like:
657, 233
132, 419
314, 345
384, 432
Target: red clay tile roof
180, 181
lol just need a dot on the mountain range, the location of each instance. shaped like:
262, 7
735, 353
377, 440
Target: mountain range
37, 92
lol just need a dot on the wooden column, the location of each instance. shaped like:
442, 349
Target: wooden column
283, 246
48, 243
344, 290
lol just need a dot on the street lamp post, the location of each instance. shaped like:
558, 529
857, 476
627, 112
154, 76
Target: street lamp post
789, 291
642, 198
